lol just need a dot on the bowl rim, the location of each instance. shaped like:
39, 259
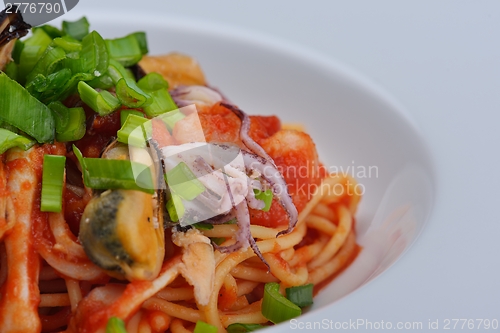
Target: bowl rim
301, 54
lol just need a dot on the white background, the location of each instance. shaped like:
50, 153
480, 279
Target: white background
441, 61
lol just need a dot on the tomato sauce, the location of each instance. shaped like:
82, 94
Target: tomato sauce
100, 131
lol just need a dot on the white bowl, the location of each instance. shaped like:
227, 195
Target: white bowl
355, 125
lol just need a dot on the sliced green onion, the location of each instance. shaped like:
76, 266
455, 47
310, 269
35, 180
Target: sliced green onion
183, 182
301, 295
117, 72
95, 52
77, 29
92, 59
130, 94
102, 102
266, 196
44, 87
162, 102
126, 50
171, 118
32, 51
203, 226
242, 328
11, 69
68, 44
24, 111
102, 82
18, 49
127, 90
115, 325
142, 40
152, 81
218, 240
156, 86
70, 122
125, 113
9, 127
52, 183
202, 327
103, 174
276, 307
175, 208
49, 60
10, 139
132, 132
50, 30
62, 84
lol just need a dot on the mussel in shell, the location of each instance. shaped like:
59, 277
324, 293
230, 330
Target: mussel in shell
12, 27
121, 234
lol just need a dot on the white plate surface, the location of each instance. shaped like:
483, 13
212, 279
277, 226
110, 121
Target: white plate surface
449, 89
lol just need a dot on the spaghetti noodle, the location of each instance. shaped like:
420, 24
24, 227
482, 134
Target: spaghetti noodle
49, 283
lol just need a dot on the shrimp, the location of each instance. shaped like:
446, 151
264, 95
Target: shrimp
295, 156
20, 294
176, 68
293, 152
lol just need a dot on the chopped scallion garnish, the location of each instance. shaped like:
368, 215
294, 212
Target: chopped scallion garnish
301, 295
11, 69
103, 174
48, 61
117, 72
130, 94
266, 196
243, 328
152, 81
141, 40
31, 52
125, 113
77, 29
68, 44
115, 325
132, 132
183, 182
175, 208
126, 50
93, 58
162, 102
50, 30
52, 183
102, 102
276, 307
70, 122
203, 226
218, 240
171, 118
202, 327
23, 111
10, 139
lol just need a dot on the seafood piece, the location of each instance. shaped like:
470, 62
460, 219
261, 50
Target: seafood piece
253, 146
116, 151
5, 224
178, 69
199, 95
198, 262
20, 295
119, 234
294, 154
12, 27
